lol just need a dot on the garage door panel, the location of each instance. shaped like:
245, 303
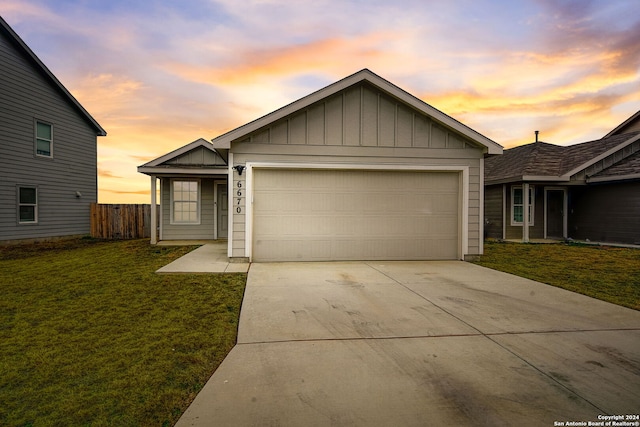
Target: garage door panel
355, 215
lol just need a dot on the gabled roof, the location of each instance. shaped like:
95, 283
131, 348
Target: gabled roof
540, 161
631, 124
628, 168
179, 161
43, 70
491, 147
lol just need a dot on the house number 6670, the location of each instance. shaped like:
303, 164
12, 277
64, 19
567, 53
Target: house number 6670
239, 194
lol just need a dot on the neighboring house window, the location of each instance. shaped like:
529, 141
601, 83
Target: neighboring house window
517, 205
185, 198
27, 205
44, 139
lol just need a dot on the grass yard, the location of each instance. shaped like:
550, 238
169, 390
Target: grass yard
90, 335
607, 273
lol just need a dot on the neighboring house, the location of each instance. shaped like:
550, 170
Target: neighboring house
588, 191
48, 155
359, 170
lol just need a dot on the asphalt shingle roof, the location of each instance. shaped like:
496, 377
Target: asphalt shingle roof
544, 159
627, 166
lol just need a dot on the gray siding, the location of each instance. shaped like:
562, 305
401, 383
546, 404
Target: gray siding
360, 125
605, 213
493, 211
363, 155
204, 230
26, 96
197, 157
359, 116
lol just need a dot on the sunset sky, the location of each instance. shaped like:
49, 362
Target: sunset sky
158, 74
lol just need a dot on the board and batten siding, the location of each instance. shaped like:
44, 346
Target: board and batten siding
494, 211
605, 213
197, 157
365, 127
202, 231
360, 116
27, 96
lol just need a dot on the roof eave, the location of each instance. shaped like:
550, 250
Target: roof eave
545, 178
200, 142
623, 124
489, 146
603, 155
205, 171
602, 179
27, 50
527, 178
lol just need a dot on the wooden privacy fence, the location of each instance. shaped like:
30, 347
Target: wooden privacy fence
120, 221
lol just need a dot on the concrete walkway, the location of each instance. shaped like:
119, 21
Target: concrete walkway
208, 258
419, 344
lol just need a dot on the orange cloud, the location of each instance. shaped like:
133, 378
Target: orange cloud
107, 174
137, 192
335, 54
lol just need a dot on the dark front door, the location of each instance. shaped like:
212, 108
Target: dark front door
223, 211
555, 214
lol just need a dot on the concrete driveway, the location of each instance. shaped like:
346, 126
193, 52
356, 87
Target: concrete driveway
419, 344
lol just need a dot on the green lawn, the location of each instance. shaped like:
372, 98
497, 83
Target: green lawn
90, 335
607, 273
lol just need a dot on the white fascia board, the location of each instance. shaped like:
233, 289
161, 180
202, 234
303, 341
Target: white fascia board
544, 178
528, 178
180, 151
463, 169
603, 155
382, 84
623, 124
358, 166
225, 139
613, 178
182, 171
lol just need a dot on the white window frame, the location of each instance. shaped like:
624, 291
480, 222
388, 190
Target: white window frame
34, 205
37, 138
198, 201
532, 205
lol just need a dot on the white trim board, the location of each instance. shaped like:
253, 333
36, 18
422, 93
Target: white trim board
462, 169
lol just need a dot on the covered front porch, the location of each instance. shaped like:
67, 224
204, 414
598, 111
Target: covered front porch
546, 206
192, 187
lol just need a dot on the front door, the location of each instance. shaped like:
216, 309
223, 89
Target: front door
223, 210
555, 213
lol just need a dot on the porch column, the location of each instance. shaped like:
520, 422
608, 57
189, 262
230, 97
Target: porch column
154, 219
525, 214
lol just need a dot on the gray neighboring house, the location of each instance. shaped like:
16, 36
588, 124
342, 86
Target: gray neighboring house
359, 170
588, 191
48, 149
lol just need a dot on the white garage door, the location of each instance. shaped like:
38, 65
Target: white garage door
327, 215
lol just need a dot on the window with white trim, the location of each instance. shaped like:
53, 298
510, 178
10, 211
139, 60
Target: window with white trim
185, 202
27, 205
517, 205
44, 139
